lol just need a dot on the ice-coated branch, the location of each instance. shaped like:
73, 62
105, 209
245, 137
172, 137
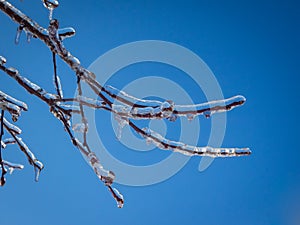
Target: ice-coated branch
107, 177
14, 131
11, 105
14, 107
126, 109
6, 142
3, 170
161, 142
92, 103
6, 98
59, 111
56, 78
38, 166
12, 166
135, 108
52, 39
189, 150
83, 127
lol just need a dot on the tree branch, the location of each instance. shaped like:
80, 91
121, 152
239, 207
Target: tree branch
3, 170
129, 108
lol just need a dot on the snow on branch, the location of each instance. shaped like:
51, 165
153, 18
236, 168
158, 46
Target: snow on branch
125, 107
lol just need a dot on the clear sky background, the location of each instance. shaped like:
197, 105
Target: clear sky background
252, 47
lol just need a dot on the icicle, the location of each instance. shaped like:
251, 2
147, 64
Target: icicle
122, 122
28, 36
207, 114
50, 5
190, 116
11, 170
50, 14
18, 34
38, 166
2, 60
172, 117
67, 32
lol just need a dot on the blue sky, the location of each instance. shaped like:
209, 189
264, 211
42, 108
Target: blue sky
252, 47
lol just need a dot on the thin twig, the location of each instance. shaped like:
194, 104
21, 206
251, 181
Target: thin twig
3, 171
83, 118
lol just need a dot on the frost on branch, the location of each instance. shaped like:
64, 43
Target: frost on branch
126, 108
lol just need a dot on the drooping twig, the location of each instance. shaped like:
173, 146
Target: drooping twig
38, 166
